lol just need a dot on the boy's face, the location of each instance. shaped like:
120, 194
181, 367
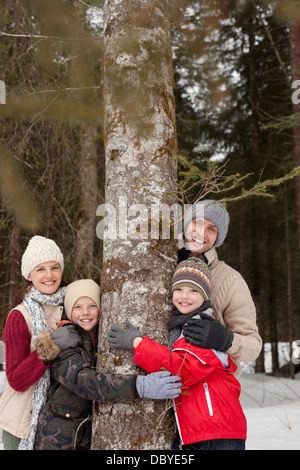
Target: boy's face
186, 299
200, 235
85, 313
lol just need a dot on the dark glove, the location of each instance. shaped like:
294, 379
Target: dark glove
158, 385
119, 337
207, 333
66, 337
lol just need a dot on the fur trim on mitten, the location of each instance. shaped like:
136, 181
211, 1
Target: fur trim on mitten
47, 350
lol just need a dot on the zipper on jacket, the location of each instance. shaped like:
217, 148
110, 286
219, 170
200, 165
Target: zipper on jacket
208, 400
177, 423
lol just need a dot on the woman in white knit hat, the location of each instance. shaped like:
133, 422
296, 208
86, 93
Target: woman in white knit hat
38, 307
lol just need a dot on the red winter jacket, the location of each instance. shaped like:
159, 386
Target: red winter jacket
209, 408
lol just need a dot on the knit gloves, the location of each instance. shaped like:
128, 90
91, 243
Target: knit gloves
66, 337
119, 337
207, 333
49, 345
158, 385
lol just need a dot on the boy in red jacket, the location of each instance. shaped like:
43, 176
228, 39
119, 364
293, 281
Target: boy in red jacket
208, 414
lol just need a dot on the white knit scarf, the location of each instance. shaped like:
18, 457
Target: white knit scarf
33, 301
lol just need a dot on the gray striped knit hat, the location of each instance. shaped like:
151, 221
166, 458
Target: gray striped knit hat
195, 273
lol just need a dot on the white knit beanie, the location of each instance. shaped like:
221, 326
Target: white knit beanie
213, 211
40, 250
81, 288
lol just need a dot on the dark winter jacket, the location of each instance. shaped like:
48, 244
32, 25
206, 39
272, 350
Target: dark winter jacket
65, 421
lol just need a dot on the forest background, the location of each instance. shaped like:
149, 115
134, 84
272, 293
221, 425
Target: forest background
235, 68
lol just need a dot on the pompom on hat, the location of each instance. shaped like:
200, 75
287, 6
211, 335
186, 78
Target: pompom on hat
81, 288
195, 273
213, 211
40, 250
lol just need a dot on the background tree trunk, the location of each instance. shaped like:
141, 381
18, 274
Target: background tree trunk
140, 142
86, 231
295, 60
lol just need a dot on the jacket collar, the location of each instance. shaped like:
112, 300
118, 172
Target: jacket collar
211, 255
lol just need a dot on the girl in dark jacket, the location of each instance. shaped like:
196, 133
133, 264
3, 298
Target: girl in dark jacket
65, 421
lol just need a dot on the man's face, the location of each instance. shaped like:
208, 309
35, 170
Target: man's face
200, 235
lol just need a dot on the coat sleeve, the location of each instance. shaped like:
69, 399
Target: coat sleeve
182, 361
72, 371
240, 317
234, 307
23, 368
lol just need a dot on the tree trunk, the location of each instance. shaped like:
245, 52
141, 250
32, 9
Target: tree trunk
289, 300
14, 250
86, 231
140, 143
295, 59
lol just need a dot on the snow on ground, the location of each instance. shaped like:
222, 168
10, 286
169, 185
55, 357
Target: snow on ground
272, 408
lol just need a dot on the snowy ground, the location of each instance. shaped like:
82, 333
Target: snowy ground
272, 409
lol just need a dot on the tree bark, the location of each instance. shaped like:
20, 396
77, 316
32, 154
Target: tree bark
295, 60
86, 234
140, 145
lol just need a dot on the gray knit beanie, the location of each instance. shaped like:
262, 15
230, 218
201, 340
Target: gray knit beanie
81, 288
214, 212
40, 250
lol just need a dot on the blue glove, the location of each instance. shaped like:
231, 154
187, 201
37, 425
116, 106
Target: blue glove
158, 385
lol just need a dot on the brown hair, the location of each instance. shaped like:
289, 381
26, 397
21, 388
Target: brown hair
18, 300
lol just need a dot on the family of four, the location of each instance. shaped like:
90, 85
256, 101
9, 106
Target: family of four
50, 337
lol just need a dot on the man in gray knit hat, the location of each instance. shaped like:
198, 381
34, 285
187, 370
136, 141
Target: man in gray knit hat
205, 225
205, 228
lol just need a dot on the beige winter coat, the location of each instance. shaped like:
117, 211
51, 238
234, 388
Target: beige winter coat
16, 407
233, 306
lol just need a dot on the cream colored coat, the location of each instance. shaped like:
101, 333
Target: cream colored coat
233, 306
16, 407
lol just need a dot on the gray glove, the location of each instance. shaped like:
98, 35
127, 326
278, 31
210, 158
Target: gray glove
66, 337
158, 385
119, 337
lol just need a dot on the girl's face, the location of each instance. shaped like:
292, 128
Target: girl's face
85, 313
186, 299
46, 277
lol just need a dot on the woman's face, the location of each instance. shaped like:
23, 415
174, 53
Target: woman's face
46, 277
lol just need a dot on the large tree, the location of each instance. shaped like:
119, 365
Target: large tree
140, 145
